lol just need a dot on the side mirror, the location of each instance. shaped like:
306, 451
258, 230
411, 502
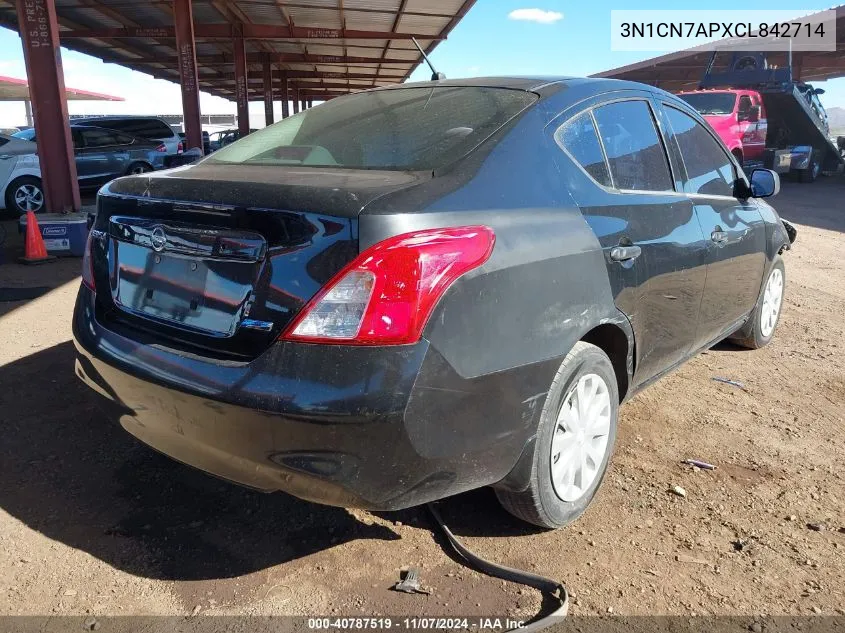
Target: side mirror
765, 183
819, 91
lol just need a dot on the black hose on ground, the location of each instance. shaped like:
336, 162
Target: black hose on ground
551, 588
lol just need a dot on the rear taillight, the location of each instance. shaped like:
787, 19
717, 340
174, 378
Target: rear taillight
88, 263
180, 147
386, 294
163, 148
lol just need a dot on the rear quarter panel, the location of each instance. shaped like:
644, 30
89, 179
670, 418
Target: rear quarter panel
499, 334
545, 284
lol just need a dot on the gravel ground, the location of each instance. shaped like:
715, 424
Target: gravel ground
92, 522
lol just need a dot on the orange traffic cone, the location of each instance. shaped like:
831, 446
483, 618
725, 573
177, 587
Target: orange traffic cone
36, 252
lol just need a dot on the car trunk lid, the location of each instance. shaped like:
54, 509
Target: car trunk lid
199, 258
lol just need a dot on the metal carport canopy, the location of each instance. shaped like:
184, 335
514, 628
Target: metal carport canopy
683, 70
295, 51
329, 47
13, 89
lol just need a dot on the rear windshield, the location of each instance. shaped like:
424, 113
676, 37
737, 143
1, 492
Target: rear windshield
711, 102
403, 129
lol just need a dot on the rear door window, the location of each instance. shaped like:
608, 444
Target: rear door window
123, 139
634, 151
710, 170
151, 129
94, 138
744, 105
581, 141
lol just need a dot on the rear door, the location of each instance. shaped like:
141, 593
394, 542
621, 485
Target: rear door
735, 231
652, 241
97, 159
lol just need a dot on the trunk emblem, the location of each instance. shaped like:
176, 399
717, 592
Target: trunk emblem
158, 239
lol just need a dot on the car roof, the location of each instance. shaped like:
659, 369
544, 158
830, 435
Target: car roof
88, 126
544, 85
113, 117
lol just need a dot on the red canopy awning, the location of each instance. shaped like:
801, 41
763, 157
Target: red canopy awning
13, 89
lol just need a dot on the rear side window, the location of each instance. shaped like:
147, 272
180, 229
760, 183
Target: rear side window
633, 148
709, 168
123, 139
151, 129
400, 128
581, 141
94, 137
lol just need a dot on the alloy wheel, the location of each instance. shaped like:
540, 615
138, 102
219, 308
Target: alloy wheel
581, 437
29, 197
772, 299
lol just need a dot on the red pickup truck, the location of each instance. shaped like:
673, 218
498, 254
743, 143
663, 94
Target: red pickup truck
781, 126
737, 116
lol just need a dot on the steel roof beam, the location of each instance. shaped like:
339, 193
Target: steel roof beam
250, 32
309, 74
279, 58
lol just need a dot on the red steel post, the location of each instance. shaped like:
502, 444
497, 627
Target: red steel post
285, 96
268, 92
39, 32
241, 86
187, 58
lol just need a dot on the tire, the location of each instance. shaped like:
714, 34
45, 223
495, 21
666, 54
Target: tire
760, 330
545, 502
138, 168
811, 173
22, 190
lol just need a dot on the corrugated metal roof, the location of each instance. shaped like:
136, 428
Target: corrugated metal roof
376, 32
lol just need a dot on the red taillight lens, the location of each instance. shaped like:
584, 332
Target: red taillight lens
163, 148
88, 263
180, 147
386, 294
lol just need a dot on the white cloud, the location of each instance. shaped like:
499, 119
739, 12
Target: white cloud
535, 15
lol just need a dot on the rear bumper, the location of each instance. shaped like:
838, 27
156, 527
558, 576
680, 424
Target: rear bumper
347, 426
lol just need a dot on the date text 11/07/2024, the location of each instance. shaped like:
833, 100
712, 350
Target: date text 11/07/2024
415, 623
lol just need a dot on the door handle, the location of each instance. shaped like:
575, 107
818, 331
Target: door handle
625, 253
718, 235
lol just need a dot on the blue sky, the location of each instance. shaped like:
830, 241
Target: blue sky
486, 42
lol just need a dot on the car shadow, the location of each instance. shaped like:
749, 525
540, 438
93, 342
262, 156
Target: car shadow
470, 514
80, 479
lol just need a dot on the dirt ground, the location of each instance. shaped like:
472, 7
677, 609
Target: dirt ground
93, 522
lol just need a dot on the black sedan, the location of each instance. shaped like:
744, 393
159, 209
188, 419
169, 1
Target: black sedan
414, 291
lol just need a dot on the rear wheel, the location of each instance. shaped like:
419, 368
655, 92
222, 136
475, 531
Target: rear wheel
25, 193
760, 330
574, 441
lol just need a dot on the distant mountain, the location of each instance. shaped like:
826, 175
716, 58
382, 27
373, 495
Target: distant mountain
837, 119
